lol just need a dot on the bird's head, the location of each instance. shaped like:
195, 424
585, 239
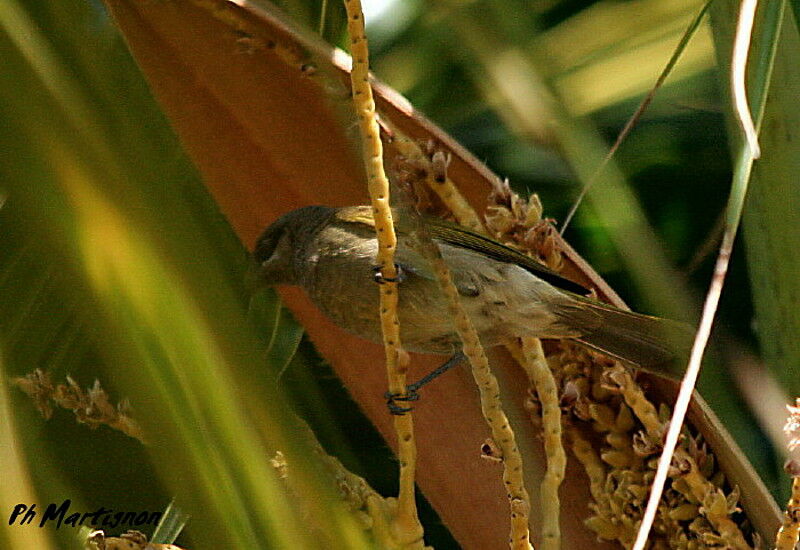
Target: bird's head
280, 249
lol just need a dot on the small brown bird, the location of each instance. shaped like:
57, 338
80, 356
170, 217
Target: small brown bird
330, 252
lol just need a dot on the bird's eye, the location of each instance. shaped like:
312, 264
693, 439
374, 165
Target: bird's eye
265, 248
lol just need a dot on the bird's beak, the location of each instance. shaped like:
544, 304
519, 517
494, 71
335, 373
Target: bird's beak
253, 278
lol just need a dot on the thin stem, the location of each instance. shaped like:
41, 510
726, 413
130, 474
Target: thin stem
741, 47
406, 523
322, 11
637, 115
695, 359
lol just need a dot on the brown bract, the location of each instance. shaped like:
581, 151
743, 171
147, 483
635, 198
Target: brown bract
264, 113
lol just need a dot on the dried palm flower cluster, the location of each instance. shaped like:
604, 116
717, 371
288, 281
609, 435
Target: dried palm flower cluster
615, 432
792, 426
91, 406
132, 540
789, 532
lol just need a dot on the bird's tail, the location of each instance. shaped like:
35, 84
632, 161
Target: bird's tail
650, 342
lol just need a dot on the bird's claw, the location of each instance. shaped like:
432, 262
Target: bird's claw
377, 275
392, 398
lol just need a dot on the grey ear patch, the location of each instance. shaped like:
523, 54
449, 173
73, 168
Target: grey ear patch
470, 290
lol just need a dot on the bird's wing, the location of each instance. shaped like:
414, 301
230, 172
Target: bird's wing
457, 235
460, 237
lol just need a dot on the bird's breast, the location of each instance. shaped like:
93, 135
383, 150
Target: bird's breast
341, 282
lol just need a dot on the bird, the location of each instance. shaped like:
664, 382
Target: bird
331, 253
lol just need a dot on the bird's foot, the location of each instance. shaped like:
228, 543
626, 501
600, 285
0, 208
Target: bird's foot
378, 277
392, 398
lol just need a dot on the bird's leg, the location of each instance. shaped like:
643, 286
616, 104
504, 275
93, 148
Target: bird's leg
412, 390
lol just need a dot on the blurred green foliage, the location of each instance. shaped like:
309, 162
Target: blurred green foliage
118, 266
74, 103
